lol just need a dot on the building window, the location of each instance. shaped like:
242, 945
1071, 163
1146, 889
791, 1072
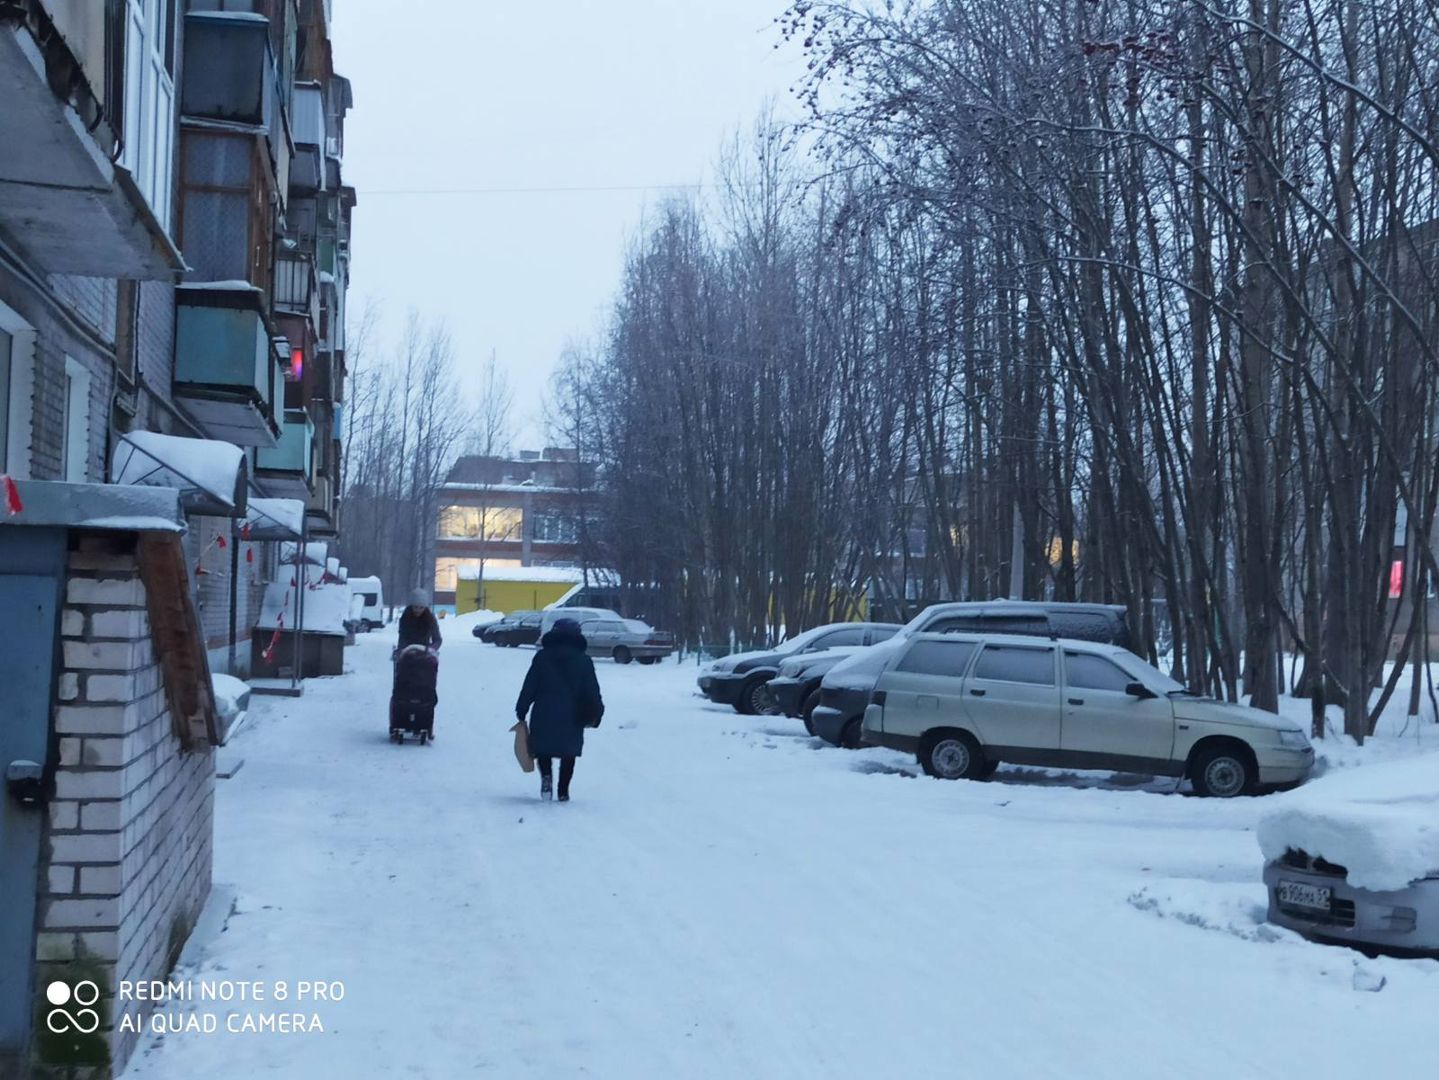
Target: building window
75, 436
7, 345
17, 359
495, 523
150, 101
555, 529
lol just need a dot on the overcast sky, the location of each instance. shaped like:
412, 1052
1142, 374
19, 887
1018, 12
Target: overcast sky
464, 94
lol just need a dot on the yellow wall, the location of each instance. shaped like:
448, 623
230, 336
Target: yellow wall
507, 596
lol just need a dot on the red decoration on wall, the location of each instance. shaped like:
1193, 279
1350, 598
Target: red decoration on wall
13, 505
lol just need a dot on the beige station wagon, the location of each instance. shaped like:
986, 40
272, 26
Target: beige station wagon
964, 703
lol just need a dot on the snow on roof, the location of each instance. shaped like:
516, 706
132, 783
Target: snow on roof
221, 286
568, 575
97, 506
147, 458
326, 608
1380, 822
509, 488
360, 584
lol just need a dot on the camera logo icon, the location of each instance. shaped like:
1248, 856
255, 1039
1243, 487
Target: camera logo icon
72, 1007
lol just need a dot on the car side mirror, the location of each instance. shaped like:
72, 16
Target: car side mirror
1139, 690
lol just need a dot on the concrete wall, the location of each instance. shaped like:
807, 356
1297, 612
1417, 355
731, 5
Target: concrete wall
127, 855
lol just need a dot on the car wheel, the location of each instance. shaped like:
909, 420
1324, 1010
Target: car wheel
752, 698
952, 755
806, 711
622, 655
850, 737
1222, 772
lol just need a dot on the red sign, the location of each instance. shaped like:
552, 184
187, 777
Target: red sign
1396, 579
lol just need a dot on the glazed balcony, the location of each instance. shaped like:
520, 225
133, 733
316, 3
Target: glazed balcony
228, 378
287, 470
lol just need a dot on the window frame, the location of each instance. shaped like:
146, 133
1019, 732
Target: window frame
962, 670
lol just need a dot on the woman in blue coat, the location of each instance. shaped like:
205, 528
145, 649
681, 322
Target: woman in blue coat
561, 697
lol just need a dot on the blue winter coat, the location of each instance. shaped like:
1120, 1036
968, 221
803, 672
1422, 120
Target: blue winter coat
560, 694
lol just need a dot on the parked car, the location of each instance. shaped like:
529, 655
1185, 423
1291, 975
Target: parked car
739, 680
964, 703
1355, 859
624, 640
485, 631
794, 691
845, 690
523, 630
580, 615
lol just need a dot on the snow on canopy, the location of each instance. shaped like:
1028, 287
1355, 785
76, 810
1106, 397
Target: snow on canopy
1380, 822
149, 459
264, 515
316, 552
326, 608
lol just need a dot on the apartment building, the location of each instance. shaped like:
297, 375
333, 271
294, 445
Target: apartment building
174, 257
529, 510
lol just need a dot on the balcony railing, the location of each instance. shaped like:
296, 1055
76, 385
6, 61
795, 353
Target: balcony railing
296, 284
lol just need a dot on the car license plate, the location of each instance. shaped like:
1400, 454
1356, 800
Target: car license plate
1302, 894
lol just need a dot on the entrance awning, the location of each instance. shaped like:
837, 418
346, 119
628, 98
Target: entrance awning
96, 506
211, 476
275, 519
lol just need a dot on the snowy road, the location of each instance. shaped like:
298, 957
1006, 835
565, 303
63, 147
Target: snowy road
727, 898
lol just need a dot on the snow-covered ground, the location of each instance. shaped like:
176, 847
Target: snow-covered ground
726, 897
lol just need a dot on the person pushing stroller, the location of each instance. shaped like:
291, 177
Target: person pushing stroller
413, 698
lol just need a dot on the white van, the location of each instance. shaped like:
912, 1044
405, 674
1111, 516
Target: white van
580, 615
372, 599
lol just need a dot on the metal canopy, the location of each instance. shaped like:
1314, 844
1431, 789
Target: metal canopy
109, 507
212, 476
275, 519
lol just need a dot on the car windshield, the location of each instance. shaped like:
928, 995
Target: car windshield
803, 641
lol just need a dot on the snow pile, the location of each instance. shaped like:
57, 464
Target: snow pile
326, 608
1380, 822
153, 460
232, 695
471, 619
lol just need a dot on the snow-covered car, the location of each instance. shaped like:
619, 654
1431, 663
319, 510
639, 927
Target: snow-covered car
964, 703
845, 690
1354, 859
624, 640
794, 691
581, 615
739, 680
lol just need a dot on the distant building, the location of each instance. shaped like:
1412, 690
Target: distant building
511, 512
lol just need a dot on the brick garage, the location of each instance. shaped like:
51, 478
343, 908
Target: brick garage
128, 841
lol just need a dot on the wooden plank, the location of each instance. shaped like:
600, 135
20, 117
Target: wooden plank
178, 643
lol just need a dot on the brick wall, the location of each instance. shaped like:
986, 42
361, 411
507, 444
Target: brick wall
127, 857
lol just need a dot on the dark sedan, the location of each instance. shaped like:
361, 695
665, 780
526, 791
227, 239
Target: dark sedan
740, 680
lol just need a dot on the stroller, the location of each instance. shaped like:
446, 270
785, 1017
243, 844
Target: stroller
413, 698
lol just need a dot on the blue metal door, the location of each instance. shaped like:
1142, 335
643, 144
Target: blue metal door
31, 569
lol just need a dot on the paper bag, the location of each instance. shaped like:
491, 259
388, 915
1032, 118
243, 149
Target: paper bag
522, 746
